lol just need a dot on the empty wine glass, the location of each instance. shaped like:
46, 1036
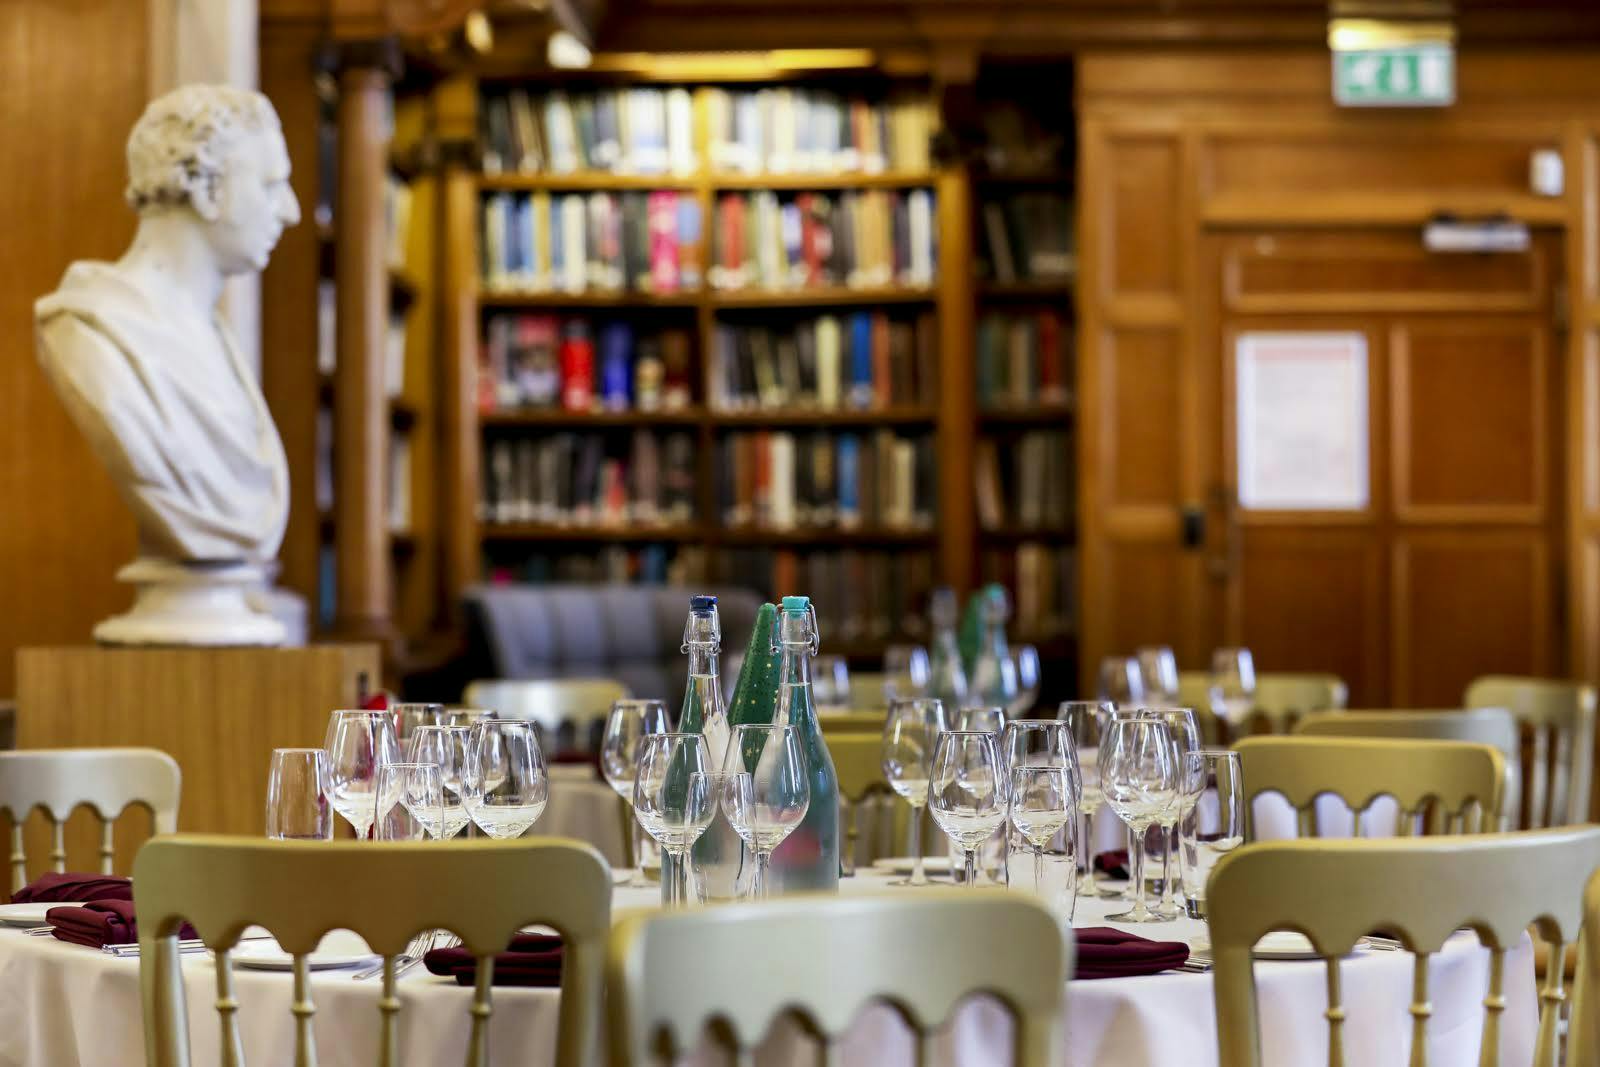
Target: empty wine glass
360, 743
1039, 743
1139, 778
1214, 826
504, 785
1233, 685
446, 748
675, 799
629, 722
1185, 739
1158, 666
981, 720
830, 682
410, 799
1044, 801
467, 716
766, 791
1121, 680
409, 718
299, 795
910, 732
1026, 658
905, 672
967, 791
1086, 721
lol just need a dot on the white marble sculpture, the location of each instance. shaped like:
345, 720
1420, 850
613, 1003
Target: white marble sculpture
145, 363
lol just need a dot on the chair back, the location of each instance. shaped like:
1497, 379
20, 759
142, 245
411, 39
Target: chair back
1420, 891
1583, 1032
1281, 698
1559, 718
570, 713
834, 723
824, 957
482, 891
1487, 726
105, 779
858, 763
869, 691
1456, 784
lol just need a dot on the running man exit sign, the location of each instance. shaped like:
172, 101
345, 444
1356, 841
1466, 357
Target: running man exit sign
1377, 64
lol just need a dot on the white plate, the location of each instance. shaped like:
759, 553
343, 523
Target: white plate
905, 864
26, 914
339, 948
1278, 945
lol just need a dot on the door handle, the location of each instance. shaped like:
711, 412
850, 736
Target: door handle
1192, 518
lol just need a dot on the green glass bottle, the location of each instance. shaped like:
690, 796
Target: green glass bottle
994, 675
947, 674
808, 860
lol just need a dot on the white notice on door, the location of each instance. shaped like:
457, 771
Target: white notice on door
1301, 414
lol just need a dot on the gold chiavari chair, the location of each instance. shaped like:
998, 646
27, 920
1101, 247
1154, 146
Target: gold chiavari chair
858, 762
1281, 698
1418, 890
1559, 716
669, 974
482, 891
1583, 1033
107, 780
836, 723
1458, 785
569, 712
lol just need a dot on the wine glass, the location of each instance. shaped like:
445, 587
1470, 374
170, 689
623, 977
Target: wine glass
905, 672
1185, 739
504, 784
299, 795
467, 716
909, 735
410, 799
981, 720
674, 799
765, 790
830, 682
967, 791
1139, 778
1233, 685
1086, 721
408, 718
446, 748
1214, 826
1026, 658
627, 724
1044, 801
1039, 743
1121, 680
1158, 666
360, 743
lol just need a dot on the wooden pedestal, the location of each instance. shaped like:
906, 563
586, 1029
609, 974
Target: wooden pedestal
218, 712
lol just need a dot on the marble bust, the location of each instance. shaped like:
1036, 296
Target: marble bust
150, 373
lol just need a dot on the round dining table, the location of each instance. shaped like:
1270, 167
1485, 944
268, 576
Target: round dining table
67, 1005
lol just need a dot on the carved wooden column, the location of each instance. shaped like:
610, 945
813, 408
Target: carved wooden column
365, 596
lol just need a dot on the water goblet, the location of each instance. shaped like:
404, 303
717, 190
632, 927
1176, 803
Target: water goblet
410, 803
1185, 739
1158, 667
675, 799
1121, 680
446, 748
967, 791
905, 672
504, 784
1233, 685
1139, 779
910, 733
1043, 802
1086, 720
360, 742
766, 791
628, 723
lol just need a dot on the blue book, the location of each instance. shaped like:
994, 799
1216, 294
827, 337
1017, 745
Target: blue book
520, 254
861, 360
616, 366
557, 258
848, 474
688, 243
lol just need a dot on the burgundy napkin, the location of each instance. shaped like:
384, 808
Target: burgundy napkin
73, 887
530, 960
100, 922
1113, 864
1107, 953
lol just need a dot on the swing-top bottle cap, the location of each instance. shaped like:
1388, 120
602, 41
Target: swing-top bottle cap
703, 627
796, 603
702, 602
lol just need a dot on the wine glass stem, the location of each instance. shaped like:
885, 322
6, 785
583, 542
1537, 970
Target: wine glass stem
971, 867
638, 845
1166, 868
1175, 864
763, 868
1136, 844
1038, 868
919, 876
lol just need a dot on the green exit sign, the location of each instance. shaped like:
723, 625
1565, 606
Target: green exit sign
1415, 75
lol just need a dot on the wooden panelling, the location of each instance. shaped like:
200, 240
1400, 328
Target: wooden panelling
1468, 603
1469, 420
75, 80
1140, 198
1142, 435
1145, 577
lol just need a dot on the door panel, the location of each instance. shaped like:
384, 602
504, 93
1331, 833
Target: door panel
1141, 391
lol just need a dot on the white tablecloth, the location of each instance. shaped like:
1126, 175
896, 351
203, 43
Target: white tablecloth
64, 1005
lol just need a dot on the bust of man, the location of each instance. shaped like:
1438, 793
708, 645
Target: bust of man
147, 367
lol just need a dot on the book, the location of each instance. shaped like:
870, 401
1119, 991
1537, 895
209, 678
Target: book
577, 367
869, 361
1023, 359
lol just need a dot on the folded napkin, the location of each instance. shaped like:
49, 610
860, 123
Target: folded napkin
73, 887
1113, 864
530, 959
1107, 953
99, 923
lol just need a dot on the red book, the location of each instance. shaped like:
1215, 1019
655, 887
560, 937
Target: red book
881, 371
810, 247
762, 489
577, 369
731, 254
663, 212
785, 571
1052, 379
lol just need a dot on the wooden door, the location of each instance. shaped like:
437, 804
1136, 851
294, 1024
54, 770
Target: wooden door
1449, 567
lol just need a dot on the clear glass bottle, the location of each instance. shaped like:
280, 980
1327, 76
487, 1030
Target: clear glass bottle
808, 860
947, 678
718, 856
994, 675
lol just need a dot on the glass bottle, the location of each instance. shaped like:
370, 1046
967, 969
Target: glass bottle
994, 675
719, 854
808, 860
947, 679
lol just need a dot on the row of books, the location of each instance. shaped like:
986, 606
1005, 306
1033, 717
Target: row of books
590, 480
579, 242
864, 361
1027, 483
857, 238
657, 564
786, 481
578, 364
1023, 359
787, 130
639, 130
394, 349
1028, 237
1044, 578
